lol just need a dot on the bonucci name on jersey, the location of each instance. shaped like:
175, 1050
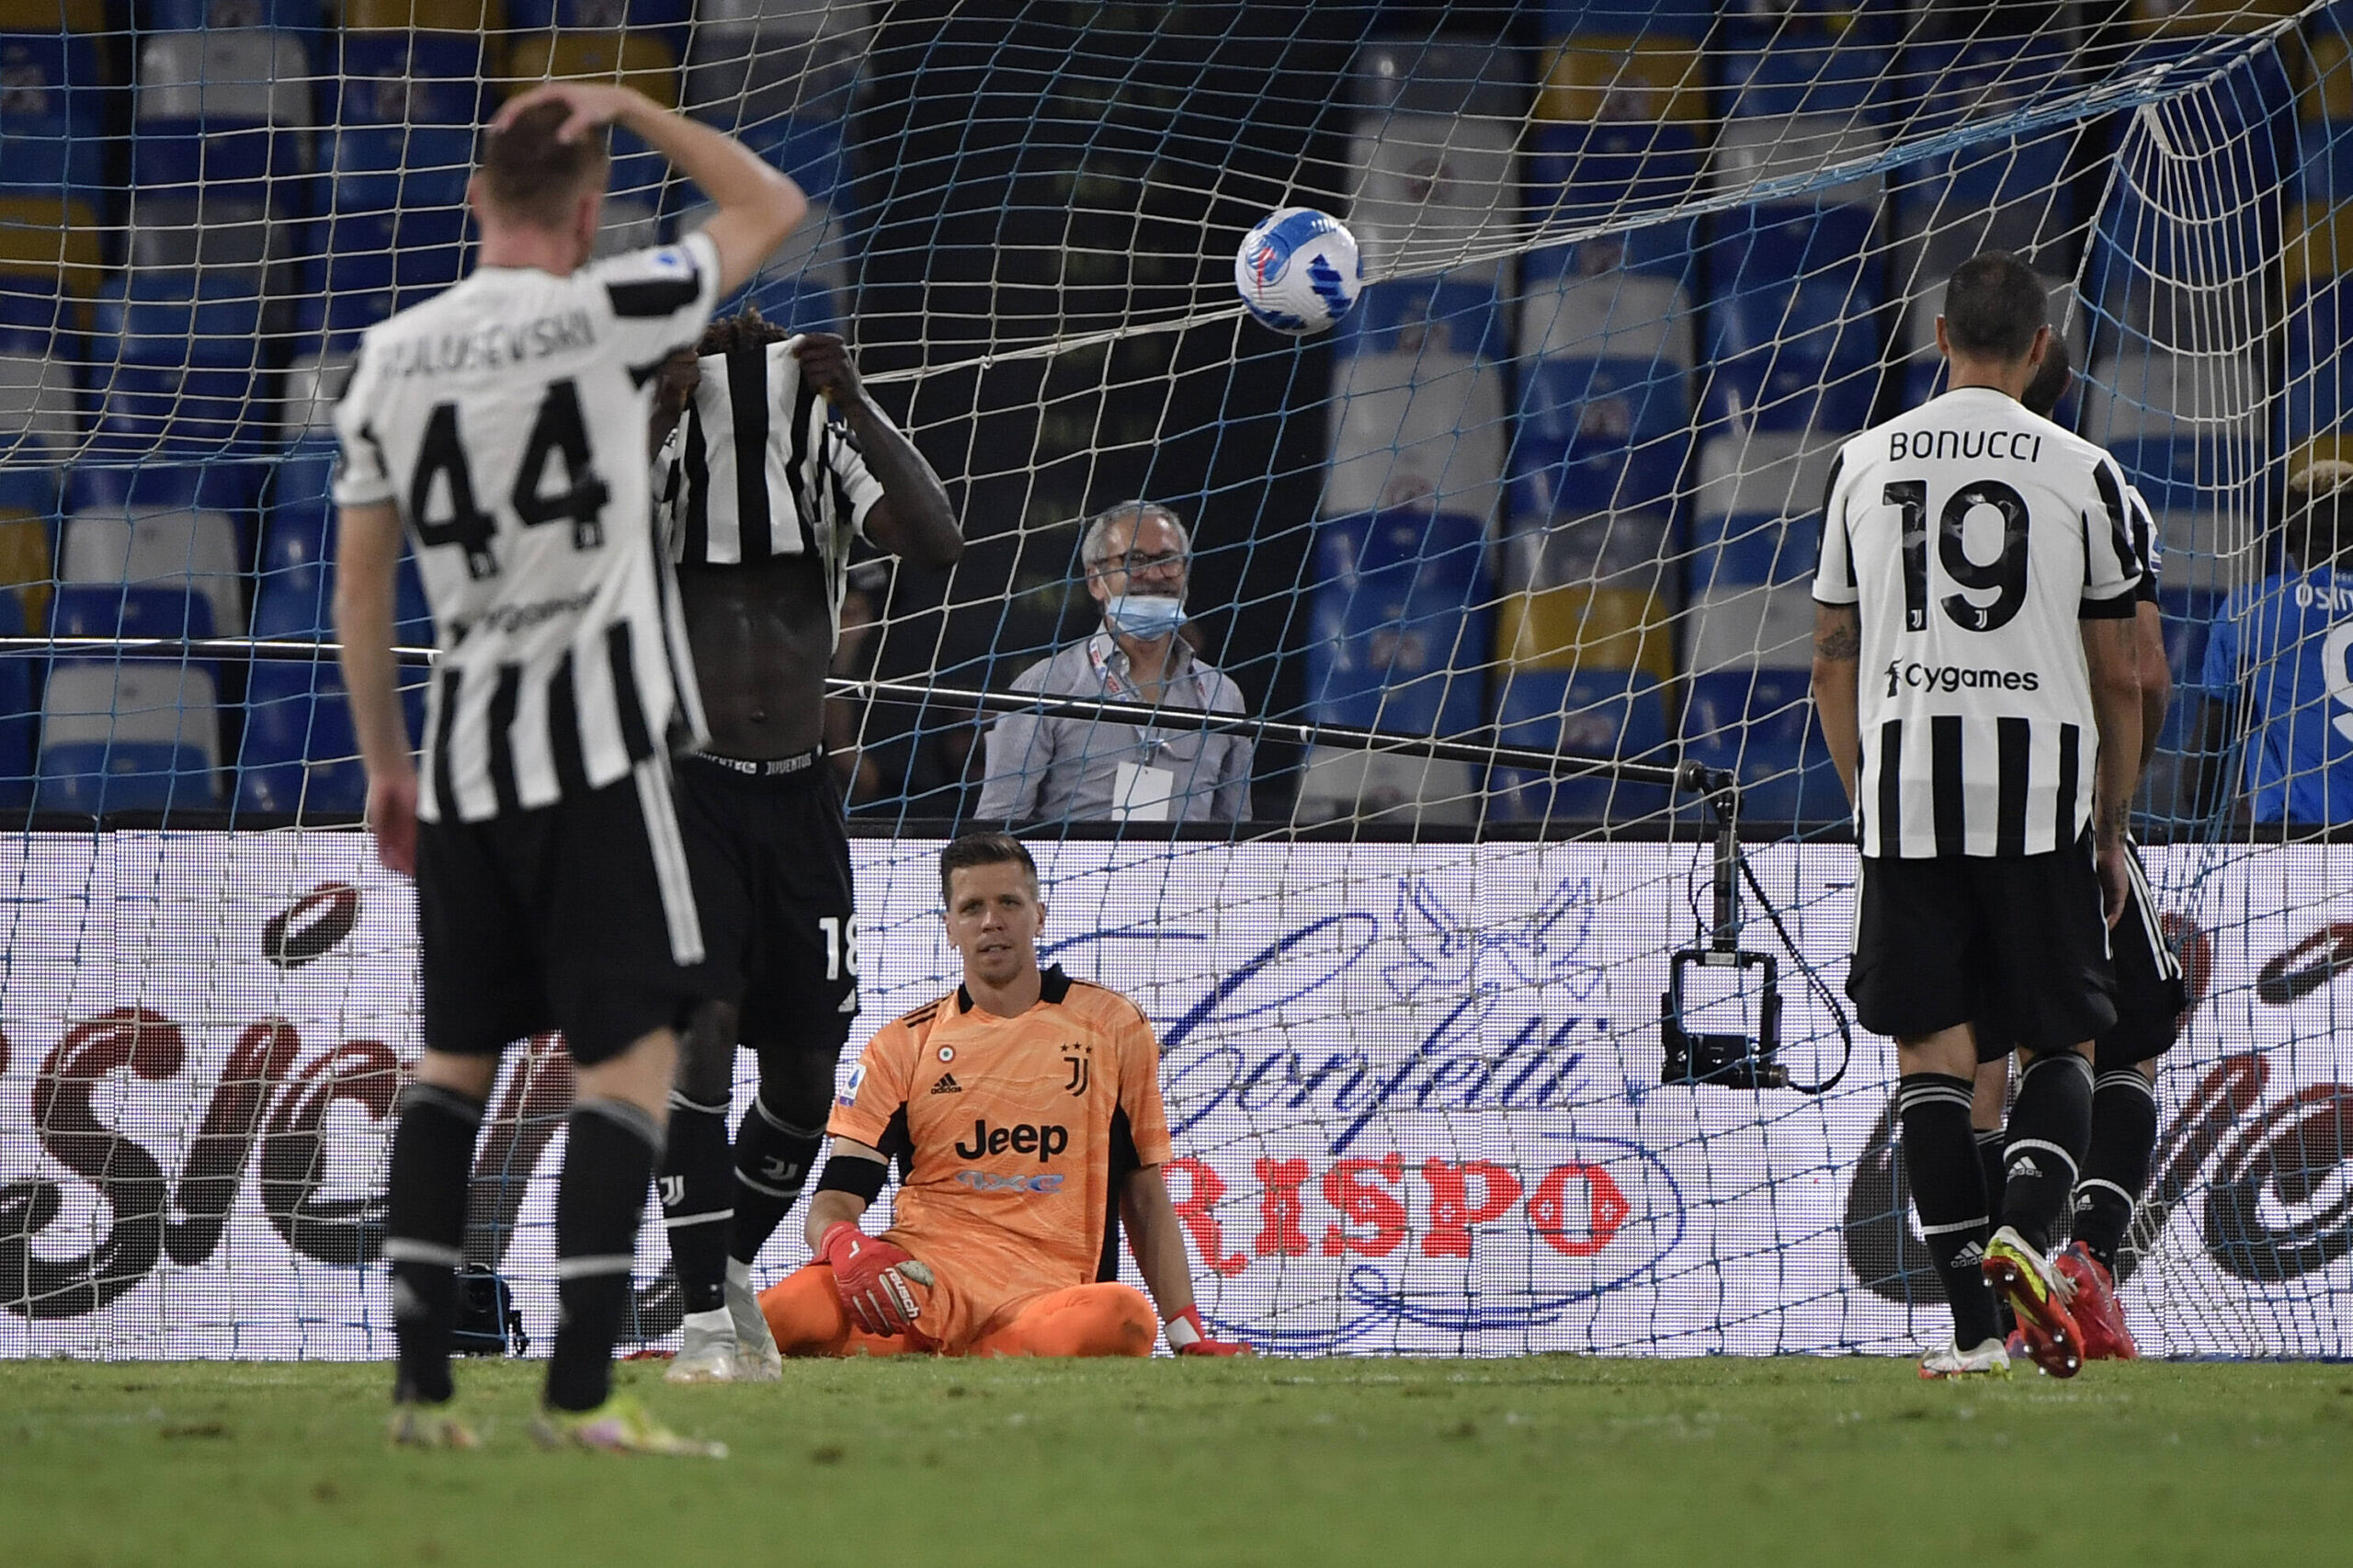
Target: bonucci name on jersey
1972, 537
505, 419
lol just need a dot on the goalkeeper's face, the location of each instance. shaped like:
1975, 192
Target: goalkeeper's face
993, 918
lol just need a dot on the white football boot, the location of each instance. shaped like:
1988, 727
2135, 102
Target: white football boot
707, 1350
1988, 1360
757, 1360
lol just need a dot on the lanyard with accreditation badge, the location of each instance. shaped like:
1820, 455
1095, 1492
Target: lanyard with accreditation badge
1142, 791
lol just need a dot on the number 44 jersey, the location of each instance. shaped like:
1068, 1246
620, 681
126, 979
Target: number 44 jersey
507, 420
1972, 536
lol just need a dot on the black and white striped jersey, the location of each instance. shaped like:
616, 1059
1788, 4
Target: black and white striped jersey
807, 492
505, 418
1972, 536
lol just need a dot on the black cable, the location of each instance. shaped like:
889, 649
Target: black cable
1814, 978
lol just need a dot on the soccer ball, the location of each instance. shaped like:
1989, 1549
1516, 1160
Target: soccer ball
1298, 271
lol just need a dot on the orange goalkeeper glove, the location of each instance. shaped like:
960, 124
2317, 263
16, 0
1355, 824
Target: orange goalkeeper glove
872, 1275
1187, 1337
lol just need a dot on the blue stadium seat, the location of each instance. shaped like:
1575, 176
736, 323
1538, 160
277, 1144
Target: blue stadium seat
1446, 320
1601, 434
1757, 516
94, 777
52, 117
301, 754
666, 16
803, 303
1758, 725
2325, 161
102, 609
1401, 623
1794, 356
173, 358
1603, 713
174, 16
294, 596
1667, 250
380, 169
1621, 123
1673, 19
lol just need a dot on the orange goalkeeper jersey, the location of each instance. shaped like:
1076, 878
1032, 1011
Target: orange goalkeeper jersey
1015, 1132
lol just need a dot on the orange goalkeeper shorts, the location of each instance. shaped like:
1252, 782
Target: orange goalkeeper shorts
805, 1314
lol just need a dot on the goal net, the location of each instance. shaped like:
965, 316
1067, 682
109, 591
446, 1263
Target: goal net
1500, 567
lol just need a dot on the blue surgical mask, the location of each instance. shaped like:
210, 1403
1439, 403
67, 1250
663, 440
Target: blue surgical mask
1145, 616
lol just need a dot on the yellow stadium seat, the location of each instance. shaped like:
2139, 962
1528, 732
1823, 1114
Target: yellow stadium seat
24, 564
1578, 626
52, 15
49, 236
2320, 243
2319, 449
2331, 62
2204, 19
1648, 80
633, 60
486, 16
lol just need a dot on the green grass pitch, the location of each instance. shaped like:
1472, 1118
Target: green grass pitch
1549, 1460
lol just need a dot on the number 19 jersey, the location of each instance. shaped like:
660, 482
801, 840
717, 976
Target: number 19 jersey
1972, 536
505, 418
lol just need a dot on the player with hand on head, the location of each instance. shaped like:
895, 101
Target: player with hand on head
2150, 993
1978, 684
1026, 1111
772, 464
502, 423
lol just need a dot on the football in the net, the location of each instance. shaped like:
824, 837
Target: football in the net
1298, 271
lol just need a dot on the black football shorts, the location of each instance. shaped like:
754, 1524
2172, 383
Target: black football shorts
577, 916
2150, 992
2016, 943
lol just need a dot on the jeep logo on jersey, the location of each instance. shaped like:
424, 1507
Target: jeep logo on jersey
1021, 1138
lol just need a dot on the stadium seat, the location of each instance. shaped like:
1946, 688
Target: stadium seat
162, 526
775, 85
299, 17
102, 723
478, 18
50, 259
1427, 186
1620, 125
173, 359
51, 122
1617, 714
1578, 626
94, 777
38, 420
1775, 78
1399, 607
1792, 353
1362, 789
226, 112
294, 596
88, 18
2147, 394
108, 610
1446, 322
1402, 436
1687, 21
300, 756
2319, 255
1760, 726
2008, 195
1746, 625
1758, 517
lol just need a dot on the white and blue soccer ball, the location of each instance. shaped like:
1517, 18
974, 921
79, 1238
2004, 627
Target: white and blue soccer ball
1299, 271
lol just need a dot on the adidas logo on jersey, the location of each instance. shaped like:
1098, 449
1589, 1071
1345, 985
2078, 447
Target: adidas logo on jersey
947, 1085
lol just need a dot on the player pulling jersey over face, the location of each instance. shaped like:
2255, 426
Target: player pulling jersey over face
1026, 1109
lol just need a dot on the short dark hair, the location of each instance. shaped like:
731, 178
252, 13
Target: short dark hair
1994, 306
530, 173
970, 850
2049, 383
745, 329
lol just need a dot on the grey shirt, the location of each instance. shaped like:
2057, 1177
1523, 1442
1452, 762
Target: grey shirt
1047, 770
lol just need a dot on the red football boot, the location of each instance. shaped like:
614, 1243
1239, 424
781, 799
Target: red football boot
2092, 1300
2036, 1296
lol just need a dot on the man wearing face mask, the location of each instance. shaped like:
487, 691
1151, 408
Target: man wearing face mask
1137, 556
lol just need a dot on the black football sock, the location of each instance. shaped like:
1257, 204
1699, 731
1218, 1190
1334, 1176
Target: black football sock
2050, 1127
433, 1155
1940, 1162
1989, 1168
610, 1157
697, 1182
772, 1160
2124, 1135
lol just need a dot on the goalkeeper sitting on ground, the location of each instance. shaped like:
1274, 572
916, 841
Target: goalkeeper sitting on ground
1025, 1110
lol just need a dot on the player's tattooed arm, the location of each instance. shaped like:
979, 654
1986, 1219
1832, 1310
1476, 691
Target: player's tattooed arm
1837, 634
1838, 696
